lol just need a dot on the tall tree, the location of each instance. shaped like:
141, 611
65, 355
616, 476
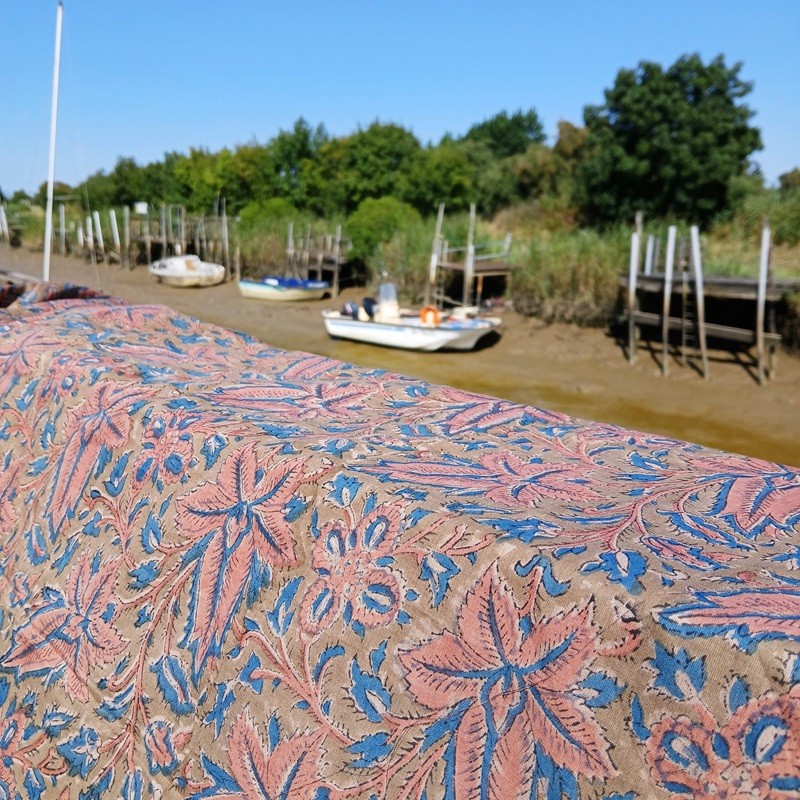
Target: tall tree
369, 163
508, 135
667, 142
436, 175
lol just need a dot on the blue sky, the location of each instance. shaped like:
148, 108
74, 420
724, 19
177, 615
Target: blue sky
146, 77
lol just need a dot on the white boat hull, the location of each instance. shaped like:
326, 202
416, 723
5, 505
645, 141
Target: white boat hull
186, 271
274, 290
410, 333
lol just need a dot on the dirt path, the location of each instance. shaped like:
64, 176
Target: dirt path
582, 372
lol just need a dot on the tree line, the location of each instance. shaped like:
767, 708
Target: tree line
673, 142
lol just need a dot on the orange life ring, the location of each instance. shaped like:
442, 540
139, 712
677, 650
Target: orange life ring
429, 315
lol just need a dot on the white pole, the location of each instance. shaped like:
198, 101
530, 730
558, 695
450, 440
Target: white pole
51, 171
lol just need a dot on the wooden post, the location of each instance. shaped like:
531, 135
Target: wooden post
3, 224
112, 216
164, 242
290, 246
226, 261
89, 239
183, 236
761, 299
147, 238
436, 252
699, 297
126, 232
668, 268
469, 264
98, 233
170, 238
648, 255
306, 258
62, 230
633, 271
336, 254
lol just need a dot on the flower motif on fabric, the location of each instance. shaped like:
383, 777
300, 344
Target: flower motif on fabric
166, 450
355, 579
71, 634
512, 692
755, 754
289, 769
239, 529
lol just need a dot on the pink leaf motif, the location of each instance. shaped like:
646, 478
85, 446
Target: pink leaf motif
749, 614
331, 399
102, 419
527, 688
238, 519
75, 631
290, 771
501, 477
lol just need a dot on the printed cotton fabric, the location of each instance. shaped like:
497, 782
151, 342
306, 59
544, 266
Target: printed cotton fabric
231, 571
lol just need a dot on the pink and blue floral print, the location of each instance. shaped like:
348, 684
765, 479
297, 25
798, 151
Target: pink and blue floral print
230, 571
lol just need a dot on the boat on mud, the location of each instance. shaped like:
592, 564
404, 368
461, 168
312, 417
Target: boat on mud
282, 289
186, 271
429, 329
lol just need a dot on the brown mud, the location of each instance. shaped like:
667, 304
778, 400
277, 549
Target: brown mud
579, 371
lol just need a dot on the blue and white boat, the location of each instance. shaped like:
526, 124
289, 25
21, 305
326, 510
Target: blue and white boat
283, 288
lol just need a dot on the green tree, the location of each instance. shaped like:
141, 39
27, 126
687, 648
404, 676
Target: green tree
127, 182
790, 180
59, 190
370, 163
202, 173
375, 222
506, 135
436, 175
667, 142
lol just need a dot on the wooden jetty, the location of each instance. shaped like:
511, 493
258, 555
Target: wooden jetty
473, 262
322, 255
146, 234
684, 301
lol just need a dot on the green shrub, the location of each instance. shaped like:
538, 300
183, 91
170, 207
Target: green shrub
375, 222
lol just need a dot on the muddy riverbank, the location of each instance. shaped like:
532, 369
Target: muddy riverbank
583, 372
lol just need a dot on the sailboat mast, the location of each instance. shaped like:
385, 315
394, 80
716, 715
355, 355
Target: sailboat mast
51, 171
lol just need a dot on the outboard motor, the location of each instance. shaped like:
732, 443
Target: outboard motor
349, 309
369, 306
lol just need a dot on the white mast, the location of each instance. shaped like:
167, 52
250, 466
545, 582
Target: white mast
48, 219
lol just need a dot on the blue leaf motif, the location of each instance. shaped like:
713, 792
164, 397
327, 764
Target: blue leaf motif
371, 749
173, 684
438, 569
369, 693
624, 567
281, 617
116, 707
674, 670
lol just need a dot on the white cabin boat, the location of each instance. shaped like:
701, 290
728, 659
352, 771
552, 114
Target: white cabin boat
187, 271
283, 289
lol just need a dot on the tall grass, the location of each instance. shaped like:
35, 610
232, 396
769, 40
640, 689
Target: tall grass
570, 276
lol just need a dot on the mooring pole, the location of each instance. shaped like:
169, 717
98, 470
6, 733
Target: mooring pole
51, 169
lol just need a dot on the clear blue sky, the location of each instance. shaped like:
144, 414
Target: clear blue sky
146, 77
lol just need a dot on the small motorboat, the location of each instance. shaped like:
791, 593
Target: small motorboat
283, 288
384, 323
187, 271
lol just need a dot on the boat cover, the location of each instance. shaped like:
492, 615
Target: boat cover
231, 571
